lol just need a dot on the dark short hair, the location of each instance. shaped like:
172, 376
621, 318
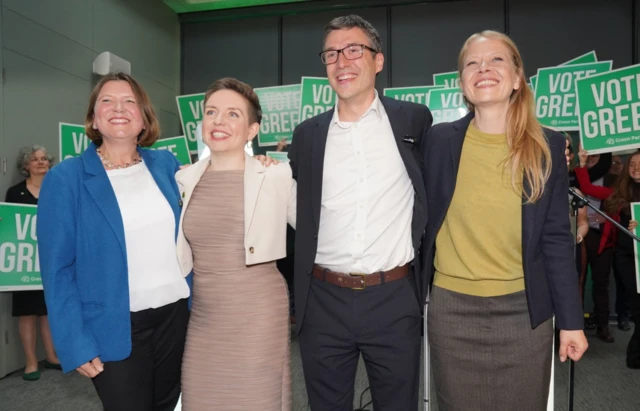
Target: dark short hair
151, 131
245, 90
24, 158
349, 22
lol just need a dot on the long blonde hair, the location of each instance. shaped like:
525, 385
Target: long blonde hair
528, 147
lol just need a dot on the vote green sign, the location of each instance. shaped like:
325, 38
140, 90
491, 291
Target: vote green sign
555, 94
72, 139
446, 105
418, 94
191, 109
635, 215
609, 106
175, 145
281, 156
19, 263
316, 97
589, 57
280, 113
447, 80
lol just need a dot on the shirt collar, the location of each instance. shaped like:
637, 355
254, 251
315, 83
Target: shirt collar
376, 107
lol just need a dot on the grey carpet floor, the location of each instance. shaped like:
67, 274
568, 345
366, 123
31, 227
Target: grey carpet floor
602, 383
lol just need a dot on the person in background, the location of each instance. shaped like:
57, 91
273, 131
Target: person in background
617, 202
579, 224
29, 306
623, 309
107, 228
496, 179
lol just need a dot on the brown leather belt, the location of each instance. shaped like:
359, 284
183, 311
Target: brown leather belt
359, 281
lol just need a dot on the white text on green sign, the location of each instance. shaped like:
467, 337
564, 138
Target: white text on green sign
72, 139
418, 94
280, 113
191, 109
19, 262
317, 96
446, 105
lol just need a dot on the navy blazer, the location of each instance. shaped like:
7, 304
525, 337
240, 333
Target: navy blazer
83, 256
551, 280
410, 123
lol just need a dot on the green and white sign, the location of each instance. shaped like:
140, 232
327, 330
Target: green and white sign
73, 140
555, 94
635, 215
418, 94
175, 145
446, 105
191, 109
609, 107
280, 113
281, 156
447, 80
19, 262
589, 57
316, 97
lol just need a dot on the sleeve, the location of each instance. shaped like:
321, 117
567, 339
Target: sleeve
557, 245
601, 168
293, 202
588, 188
293, 152
56, 230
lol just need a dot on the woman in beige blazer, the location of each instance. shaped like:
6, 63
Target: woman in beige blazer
232, 229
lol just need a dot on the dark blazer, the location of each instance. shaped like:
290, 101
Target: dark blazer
551, 280
83, 256
410, 123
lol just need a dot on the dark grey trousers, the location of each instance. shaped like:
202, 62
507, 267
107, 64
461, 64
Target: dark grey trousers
484, 354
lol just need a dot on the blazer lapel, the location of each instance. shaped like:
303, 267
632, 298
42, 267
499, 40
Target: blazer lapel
100, 189
319, 143
253, 179
399, 126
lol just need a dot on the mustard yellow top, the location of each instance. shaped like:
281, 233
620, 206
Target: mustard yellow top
479, 246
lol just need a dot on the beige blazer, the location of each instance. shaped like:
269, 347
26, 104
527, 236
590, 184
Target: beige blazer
269, 204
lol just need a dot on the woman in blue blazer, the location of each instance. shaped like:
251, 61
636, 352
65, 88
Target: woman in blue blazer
498, 243
107, 227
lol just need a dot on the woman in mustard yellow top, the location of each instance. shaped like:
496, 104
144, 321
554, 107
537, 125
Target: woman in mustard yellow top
498, 243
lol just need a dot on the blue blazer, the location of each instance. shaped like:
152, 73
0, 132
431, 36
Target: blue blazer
83, 256
550, 276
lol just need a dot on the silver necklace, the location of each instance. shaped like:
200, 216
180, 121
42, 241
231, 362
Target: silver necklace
109, 164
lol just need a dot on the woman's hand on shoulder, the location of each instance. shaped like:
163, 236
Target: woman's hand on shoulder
266, 160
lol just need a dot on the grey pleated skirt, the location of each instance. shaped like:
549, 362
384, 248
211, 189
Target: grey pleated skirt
484, 354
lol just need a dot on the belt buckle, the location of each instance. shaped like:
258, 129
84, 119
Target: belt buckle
364, 284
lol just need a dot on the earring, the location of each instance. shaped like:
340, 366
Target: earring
248, 145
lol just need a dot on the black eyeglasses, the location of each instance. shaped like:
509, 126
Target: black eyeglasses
351, 52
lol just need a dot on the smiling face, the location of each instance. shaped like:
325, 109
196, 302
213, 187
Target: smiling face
489, 76
352, 80
226, 126
39, 163
634, 168
116, 114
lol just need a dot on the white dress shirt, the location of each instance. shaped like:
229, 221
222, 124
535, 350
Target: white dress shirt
367, 197
155, 278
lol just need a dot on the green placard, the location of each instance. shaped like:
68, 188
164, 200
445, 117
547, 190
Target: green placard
191, 109
316, 97
589, 57
447, 80
19, 262
73, 140
555, 95
280, 113
609, 106
177, 146
281, 156
447, 105
635, 214
418, 94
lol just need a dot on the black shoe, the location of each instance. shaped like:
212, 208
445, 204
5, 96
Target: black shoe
635, 365
589, 324
623, 324
604, 334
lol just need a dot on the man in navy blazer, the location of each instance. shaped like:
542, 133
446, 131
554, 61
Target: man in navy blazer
361, 214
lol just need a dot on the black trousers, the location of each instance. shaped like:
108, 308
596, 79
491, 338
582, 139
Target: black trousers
600, 270
383, 323
625, 265
149, 380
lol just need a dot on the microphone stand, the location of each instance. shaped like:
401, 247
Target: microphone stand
578, 201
